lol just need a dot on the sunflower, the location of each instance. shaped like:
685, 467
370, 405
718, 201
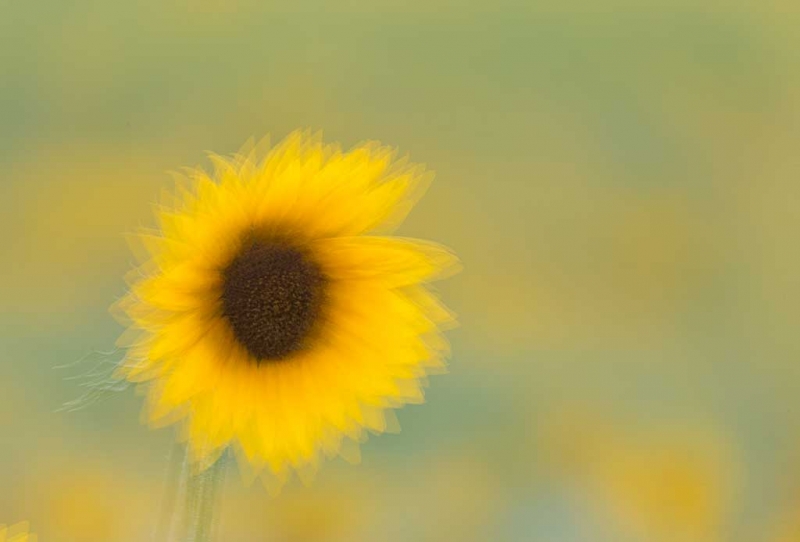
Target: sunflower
272, 313
16, 533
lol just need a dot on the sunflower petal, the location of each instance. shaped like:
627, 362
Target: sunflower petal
392, 261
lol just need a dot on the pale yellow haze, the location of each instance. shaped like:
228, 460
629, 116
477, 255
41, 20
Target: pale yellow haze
619, 179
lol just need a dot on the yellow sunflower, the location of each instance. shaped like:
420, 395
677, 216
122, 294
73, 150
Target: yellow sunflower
16, 533
270, 311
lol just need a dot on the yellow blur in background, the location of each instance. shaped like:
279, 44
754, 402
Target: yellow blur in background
620, 179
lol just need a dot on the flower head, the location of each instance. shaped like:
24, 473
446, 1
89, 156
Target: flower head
269, 311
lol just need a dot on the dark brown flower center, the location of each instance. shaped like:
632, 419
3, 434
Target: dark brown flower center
272, 296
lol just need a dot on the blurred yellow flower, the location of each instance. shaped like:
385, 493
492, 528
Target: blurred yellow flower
668, 490
268, 314
17, 533
656, 486
78, 507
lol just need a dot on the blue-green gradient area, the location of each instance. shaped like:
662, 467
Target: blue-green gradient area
618, 177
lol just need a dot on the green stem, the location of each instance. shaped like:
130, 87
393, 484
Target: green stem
174, 487
202, 490
188, 511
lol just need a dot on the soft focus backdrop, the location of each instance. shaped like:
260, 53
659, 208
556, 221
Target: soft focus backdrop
620, 177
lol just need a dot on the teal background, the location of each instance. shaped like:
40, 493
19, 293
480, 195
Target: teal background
620, 179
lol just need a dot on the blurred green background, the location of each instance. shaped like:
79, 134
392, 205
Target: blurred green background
621, 179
